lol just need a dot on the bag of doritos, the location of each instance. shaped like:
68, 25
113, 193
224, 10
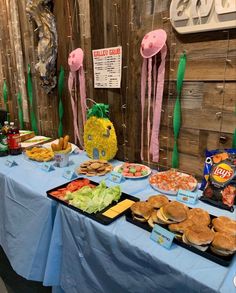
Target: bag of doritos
219, 181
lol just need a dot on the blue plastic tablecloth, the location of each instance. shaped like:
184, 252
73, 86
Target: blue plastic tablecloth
48, 242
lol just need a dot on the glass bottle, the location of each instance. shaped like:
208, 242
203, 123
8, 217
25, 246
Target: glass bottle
3, 142
13, 139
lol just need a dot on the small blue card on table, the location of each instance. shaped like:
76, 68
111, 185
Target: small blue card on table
162, 236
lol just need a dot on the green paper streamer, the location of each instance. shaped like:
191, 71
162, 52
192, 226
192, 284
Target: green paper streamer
99, 110
60, 107
234, 140
30, 94
177, 109
234, 136
5, 99
20, 111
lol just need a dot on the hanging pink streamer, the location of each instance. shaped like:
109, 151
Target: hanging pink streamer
71, 82
143, 92
152, 43
154, 148
154, 81
149, 104
82, 94
75, 62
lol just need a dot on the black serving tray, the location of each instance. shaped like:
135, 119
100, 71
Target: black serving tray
99, 217
222, 260
217, 204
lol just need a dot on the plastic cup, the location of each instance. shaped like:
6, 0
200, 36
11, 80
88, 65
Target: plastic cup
62, 159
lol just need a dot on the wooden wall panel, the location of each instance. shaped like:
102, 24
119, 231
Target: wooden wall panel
209, 92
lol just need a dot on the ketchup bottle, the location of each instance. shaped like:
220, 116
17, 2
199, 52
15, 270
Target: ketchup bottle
13, 139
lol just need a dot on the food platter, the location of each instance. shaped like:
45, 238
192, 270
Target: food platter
169, 182
48, 145
138, 171
38, 153
98, 216
208, 254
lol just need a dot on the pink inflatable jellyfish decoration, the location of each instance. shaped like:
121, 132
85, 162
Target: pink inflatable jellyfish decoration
152, 43
75, 62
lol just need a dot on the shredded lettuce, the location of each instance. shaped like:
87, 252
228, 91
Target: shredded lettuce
92, 200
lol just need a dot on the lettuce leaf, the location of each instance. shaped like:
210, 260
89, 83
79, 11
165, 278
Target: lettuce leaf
92, 200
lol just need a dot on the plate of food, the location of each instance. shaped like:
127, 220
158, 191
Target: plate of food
133, 170
194, 228
39, 154
61, 144
94, 168
169, 182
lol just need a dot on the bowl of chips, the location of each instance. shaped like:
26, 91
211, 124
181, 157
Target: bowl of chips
39, 154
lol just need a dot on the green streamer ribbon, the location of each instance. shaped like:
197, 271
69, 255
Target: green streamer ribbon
234, 140
99, 110
60, 106
177, 109
30, 94
5, 99
234, 136
20, 111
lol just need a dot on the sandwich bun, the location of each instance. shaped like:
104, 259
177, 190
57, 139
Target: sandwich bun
199, 235
162, 219
199, 216
180, 227
141, 210
157, 201
175, 211
153, 219
223, 244
224, 224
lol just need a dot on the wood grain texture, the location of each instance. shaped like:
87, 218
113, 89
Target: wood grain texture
209, 91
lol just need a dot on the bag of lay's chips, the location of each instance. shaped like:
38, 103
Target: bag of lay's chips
219, 181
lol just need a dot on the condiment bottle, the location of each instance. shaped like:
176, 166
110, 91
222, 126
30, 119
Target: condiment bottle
3, 142
6, 127
13, 139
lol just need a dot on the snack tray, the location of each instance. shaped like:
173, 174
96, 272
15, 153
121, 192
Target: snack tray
98, 217
222, 260
171, 192
116, 169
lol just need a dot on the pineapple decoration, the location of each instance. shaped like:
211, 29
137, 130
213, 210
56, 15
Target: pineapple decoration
100, 140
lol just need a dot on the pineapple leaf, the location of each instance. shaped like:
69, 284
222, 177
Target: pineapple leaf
99, 110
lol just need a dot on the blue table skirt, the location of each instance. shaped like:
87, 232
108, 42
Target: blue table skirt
51, 243
122, 258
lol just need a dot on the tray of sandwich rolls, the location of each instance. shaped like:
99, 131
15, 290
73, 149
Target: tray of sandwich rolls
195, 229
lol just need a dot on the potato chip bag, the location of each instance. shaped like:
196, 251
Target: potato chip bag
219, 181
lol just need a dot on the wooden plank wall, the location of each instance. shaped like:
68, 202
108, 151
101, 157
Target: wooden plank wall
209, 91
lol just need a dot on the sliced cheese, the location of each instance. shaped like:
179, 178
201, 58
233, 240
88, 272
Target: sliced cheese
126, 202
110, 213
118, 208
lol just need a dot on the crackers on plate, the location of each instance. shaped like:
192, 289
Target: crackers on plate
94, 168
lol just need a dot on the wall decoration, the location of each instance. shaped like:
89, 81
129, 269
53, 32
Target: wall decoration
107, 67
100, 140
75, 62
152, 43
33, 119
60, 107
5, 99
192, 16
47, 45
177, 109
20, 110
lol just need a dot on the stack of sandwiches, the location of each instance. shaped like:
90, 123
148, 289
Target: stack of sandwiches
193, 226
224, 242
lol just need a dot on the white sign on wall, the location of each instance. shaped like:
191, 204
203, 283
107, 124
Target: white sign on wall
107, 67
192, 16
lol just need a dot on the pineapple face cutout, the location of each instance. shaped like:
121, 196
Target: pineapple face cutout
100, 140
